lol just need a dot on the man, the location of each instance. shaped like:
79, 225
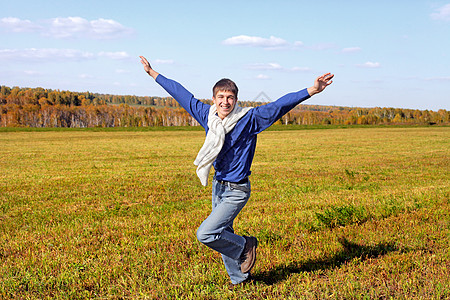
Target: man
230, 146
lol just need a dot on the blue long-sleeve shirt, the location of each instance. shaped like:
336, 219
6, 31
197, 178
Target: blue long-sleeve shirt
234, 160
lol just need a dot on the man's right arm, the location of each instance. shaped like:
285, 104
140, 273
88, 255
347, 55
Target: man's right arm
193, 106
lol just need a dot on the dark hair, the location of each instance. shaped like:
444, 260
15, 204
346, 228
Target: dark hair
225, 85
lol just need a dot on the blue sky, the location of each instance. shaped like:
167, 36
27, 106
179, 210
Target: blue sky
383, 53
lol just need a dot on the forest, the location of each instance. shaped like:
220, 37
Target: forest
39, 107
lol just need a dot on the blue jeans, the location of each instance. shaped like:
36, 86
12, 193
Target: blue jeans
217, 231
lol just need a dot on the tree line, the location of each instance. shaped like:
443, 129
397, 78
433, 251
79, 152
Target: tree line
38, 107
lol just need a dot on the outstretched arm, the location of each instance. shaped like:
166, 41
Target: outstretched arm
320, 84
266, 115
194, 107
148, 68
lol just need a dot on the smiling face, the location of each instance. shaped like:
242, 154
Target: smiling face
225, 93
225, 102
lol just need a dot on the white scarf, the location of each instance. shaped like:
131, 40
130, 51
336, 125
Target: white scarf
215, 138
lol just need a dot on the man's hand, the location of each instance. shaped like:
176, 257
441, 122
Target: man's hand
148, 68
321, 83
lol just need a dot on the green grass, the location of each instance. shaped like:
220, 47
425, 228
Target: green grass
345, 213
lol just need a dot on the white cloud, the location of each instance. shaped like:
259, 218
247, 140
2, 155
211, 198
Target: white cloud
53, 55
444, 79
370, 64
114, 55
261, 66
255, 41
85, 76
67, 27
277, 67
164, 61
273, 43
77, 27
32, 73
71, 27
442, 13
47, 54
18, 25
351, 49
121, 71
108, 27
262, 76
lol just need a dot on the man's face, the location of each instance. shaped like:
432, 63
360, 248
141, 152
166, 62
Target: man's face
225, 102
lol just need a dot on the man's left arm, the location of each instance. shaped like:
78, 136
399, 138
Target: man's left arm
320, 84
266, 115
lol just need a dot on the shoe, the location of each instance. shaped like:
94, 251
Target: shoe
248, 257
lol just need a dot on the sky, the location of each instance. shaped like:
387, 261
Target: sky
383, 53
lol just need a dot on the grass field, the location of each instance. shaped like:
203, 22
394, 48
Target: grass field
345, 213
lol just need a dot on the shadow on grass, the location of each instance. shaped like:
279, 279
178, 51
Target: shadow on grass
351, 251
